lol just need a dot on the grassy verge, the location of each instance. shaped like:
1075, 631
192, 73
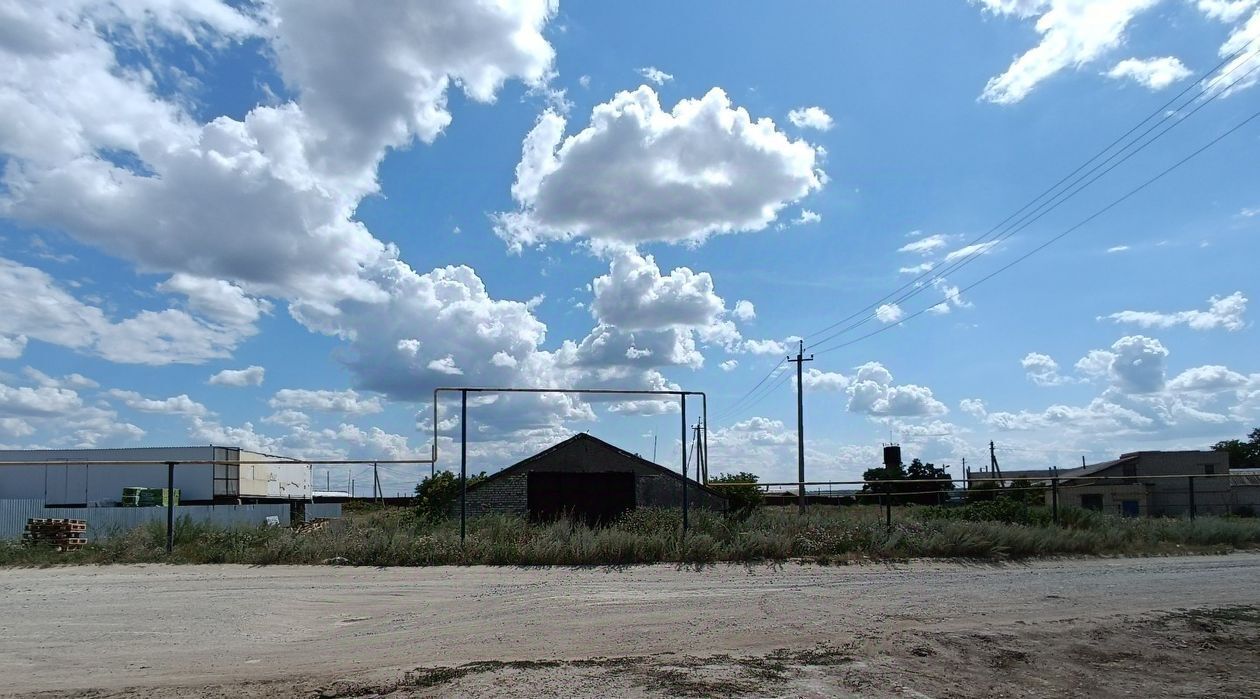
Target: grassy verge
824, 534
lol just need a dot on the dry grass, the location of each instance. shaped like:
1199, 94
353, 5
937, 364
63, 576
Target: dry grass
824, 534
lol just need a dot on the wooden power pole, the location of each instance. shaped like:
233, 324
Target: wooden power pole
800, 420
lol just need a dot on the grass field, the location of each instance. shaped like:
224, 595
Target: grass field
397, 537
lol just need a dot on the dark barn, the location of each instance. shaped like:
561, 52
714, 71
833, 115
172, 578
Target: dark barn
587, 478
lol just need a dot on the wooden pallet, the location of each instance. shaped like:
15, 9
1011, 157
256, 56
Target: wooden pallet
58, 534
314, 525
56, 527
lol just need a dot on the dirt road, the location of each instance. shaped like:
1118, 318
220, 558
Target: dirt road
1105, 627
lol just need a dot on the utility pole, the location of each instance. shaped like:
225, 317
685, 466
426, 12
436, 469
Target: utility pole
800, 420
993, 463
653, 446
376, 483
702, 432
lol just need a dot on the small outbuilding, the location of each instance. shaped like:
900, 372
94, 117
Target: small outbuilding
587, 478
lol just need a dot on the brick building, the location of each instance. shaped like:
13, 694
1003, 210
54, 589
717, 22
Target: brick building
1144, 484
588, 478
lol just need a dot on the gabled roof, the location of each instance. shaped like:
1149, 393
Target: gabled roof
1098, 467
581, 438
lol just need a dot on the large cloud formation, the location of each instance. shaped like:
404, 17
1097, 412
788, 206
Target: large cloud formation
639, 173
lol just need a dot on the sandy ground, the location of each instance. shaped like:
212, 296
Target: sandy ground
1183, 626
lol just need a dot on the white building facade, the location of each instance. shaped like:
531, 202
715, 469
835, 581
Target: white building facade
203, 475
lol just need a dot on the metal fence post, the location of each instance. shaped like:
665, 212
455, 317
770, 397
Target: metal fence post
1192, 507
683, 449
887, 510
170, 506
1054, 499
463, 464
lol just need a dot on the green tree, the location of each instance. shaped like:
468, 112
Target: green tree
920, 471
1242, 454
436, 493
909, 491
741, 499
881, 482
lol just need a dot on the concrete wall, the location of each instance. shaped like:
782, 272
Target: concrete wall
509, 493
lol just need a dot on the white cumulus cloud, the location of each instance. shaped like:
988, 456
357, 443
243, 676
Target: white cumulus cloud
811, 118
249, 376
655, 75
1153, 73
1223, 312
640, 173
1074, 33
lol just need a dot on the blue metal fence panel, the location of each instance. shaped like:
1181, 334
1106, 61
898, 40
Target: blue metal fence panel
103, 521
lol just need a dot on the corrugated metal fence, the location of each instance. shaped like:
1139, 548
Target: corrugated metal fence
102, 521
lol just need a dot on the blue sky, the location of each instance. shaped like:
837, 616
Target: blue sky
279, 226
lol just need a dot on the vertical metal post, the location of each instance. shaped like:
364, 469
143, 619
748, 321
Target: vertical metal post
170, 506
1192, 507
463, 465
1054, 499
704, 434
683, 449
433, 456
887, 510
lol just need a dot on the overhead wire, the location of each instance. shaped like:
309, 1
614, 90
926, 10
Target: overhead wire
936, 274
750, 391
770, 388
1061, 235
1023, 217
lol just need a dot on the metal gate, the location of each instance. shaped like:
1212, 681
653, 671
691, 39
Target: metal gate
595, 498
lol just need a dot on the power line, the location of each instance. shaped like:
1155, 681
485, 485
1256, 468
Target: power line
770, 388
1050, 204
754, 388
1058, 237
1025, 222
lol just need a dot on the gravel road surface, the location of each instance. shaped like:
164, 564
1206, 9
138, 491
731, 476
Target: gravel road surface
1177, 626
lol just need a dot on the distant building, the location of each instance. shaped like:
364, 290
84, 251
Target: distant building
1144, 483
82, 477
587, 478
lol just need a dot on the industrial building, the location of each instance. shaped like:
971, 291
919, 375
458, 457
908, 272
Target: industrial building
586, 478
1146, 484
97, 477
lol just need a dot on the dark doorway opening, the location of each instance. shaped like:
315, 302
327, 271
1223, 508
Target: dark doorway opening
1092, 501
595, 498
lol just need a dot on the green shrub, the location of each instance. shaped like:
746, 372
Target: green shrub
997, 510
435, 494
741, 499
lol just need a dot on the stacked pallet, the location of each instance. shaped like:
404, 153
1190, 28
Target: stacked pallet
147, 497
61, 534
